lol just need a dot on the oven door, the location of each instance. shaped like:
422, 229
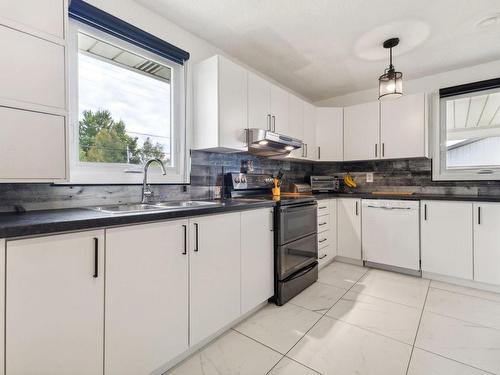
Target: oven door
296, 255
296, 221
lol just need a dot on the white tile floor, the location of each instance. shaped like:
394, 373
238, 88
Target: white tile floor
359, 321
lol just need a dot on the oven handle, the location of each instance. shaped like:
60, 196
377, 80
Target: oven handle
297, 207
302, 272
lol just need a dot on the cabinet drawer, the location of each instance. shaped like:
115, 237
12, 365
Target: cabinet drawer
323, 207
324, 255
323, 223
324, 239
32, 145
32, 70
46, 16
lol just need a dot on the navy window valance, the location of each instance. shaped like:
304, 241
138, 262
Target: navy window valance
90, 15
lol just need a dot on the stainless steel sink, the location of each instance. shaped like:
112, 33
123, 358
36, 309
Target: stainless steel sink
186, 204
126, 208
161, 206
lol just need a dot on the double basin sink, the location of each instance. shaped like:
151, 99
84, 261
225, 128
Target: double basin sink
146, 207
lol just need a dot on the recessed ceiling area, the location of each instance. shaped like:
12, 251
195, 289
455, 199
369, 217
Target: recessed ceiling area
326, 48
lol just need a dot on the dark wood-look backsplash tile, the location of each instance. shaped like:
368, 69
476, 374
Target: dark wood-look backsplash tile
206, 168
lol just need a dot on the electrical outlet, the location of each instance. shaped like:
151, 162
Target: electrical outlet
369, 177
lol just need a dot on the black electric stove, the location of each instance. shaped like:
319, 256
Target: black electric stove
295, 232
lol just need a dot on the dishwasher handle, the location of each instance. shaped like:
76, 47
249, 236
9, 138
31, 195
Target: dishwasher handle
390, 208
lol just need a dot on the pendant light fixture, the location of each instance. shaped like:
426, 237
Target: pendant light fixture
390, 84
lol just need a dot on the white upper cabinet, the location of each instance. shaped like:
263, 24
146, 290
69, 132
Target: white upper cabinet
446, 238
31, 79
214, 274
279, 110
45, 16
403, 127
257, 258
146, 320
309, 132
295, 117
361, 131
329, 134
486, 243
259, 102
220, 105
32, 146
55, 305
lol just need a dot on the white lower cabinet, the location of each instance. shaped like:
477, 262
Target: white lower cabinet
349, 228
55, 305
257, 258
487, 243
446, 238
214, 274
327, 237
146, 320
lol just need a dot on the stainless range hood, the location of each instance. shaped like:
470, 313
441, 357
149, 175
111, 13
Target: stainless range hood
266, 143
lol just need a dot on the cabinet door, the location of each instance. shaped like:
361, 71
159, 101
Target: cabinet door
46, 16
257, 258
295, 117
309, 131
55, 305
2, 305
214, 274
402, 127
279, 110
259, 102
330, 134
361, 131
349, 228
233, 91
486, 242
32, 145
446, 238
146, 296
30, 78
334, 226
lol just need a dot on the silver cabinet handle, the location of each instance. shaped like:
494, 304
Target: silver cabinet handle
479, 215
269, 122
319, 152
383, 149
356, 208
425, 212
322, 207
303, 150
376, 150
323, 256
321, 224
322, 240
274, 123
390, 208
307, 149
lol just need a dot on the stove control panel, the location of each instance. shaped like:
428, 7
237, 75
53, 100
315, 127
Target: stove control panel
243, 181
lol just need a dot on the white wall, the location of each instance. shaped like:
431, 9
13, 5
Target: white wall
424, 84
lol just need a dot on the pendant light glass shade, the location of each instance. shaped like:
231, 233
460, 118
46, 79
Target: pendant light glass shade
390, 84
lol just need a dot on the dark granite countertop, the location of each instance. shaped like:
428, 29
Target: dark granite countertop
413, 197
51, 221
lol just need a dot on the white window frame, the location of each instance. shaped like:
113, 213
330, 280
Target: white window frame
439, 170
122, 173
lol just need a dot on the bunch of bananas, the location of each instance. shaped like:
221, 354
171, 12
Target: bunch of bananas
349, 181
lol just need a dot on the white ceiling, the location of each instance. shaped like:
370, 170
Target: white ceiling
325, 48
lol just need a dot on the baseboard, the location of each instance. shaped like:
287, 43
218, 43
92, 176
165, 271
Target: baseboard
193, 349
461, 282
386, 267
341, 259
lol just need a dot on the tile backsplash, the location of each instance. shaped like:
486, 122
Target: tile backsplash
404, 175
206, 171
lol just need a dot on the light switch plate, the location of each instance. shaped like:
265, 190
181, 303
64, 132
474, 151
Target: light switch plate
369, 177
